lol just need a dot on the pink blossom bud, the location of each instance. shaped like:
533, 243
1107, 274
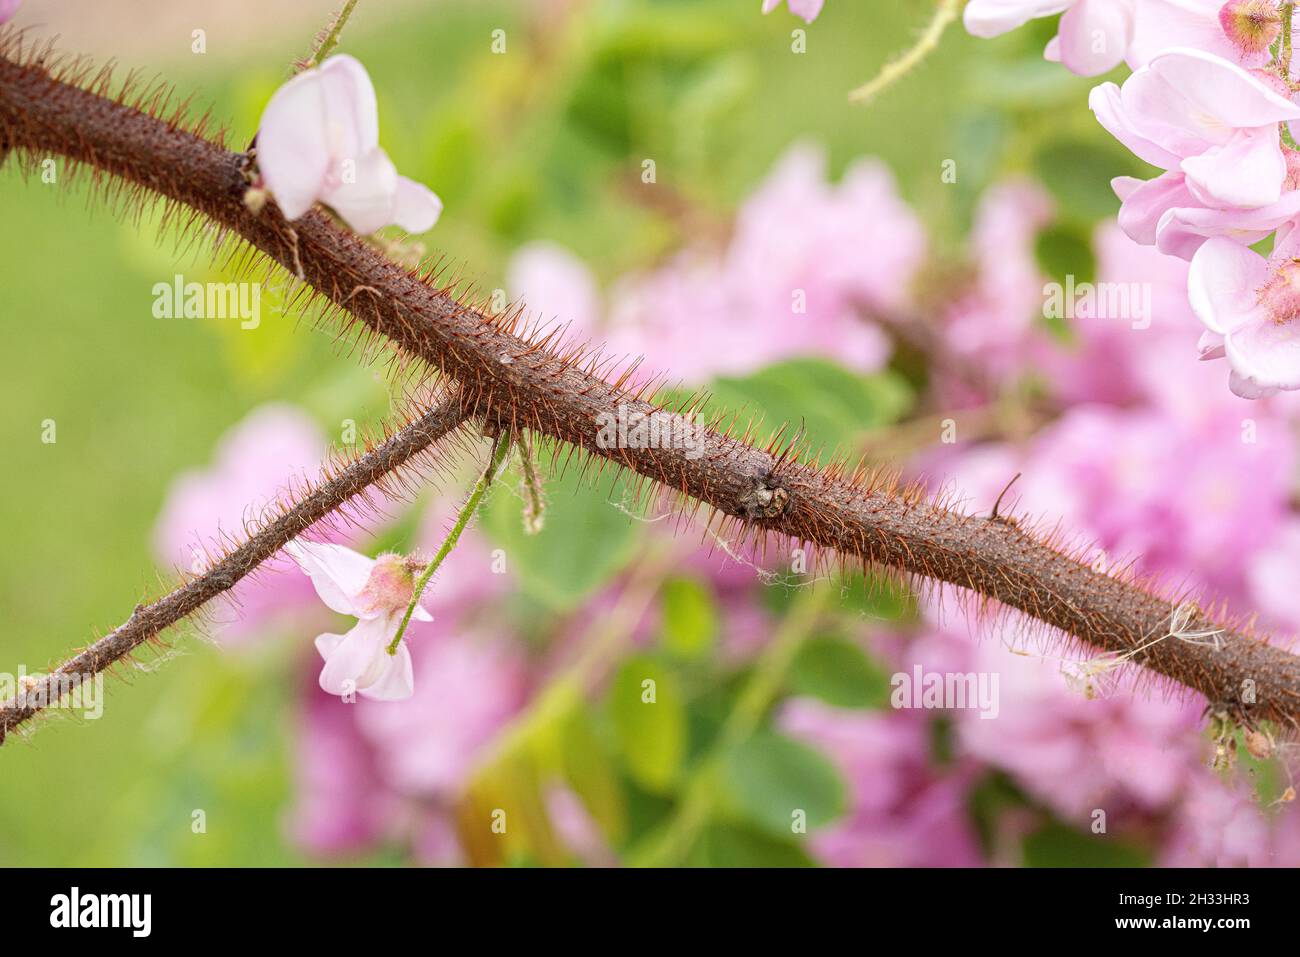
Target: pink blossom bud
1252, 25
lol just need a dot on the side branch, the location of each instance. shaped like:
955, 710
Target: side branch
150, 620
524, 384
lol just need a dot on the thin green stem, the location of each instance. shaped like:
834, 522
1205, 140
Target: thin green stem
331, 38
1287, 9
500, 448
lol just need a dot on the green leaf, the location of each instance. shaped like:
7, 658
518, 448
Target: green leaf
649, 715
584, 542
729, 845
590, 771
777, 783
690, 617
1078, 173
836, 406
1057, 845
839, 673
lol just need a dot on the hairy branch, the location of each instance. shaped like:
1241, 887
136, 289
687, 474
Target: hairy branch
529, 384
147, 621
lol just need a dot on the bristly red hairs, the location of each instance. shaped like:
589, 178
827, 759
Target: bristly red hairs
523, 377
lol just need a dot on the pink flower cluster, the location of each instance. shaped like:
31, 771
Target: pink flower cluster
808, 267
1211, 102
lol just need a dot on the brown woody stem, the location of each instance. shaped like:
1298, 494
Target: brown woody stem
150, 620
522, 384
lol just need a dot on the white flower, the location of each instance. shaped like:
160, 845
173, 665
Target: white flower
377, 592
319, 140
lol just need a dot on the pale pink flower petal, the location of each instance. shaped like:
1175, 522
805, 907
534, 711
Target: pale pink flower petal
808, 9
1222, 283
1094, 35
319, 141
989, 18
1265, 354
365, 195
338, 573
8, 8
416, 208
359, 662
293, 148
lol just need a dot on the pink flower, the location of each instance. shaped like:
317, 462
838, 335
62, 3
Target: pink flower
9, 7
1094, 34
253, 462
319, 140
993, 324
1165, 24
1195, 113
1250, 306
377, 593
809, 267
902, 812
808, 9
554, 284
1274, 576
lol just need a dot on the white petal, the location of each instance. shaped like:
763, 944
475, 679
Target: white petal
1222, 283
293, 144
397, 680
350, 106
988, 18
354, 663
337, 573
366, 196
415, 207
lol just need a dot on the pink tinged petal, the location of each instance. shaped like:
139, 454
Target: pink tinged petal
989, 18
808, 9
1266, 354
396, 680
1222, 284
1248, 171
416, 208
770, 5
1246, 389
1219, 93
293, 144
1161, 25
327, 644
364, 197
8, 8
420, 614
350, 105
1107, 102
338, 574
1210, 346
1146, 201
1094, 35
359, 659
1182, 230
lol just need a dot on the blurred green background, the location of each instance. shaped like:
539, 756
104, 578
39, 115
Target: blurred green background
539, 143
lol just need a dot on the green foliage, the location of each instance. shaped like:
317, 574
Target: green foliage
584, 541
774, 782
839, 673
649, 716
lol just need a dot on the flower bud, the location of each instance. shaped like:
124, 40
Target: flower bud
390, 585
